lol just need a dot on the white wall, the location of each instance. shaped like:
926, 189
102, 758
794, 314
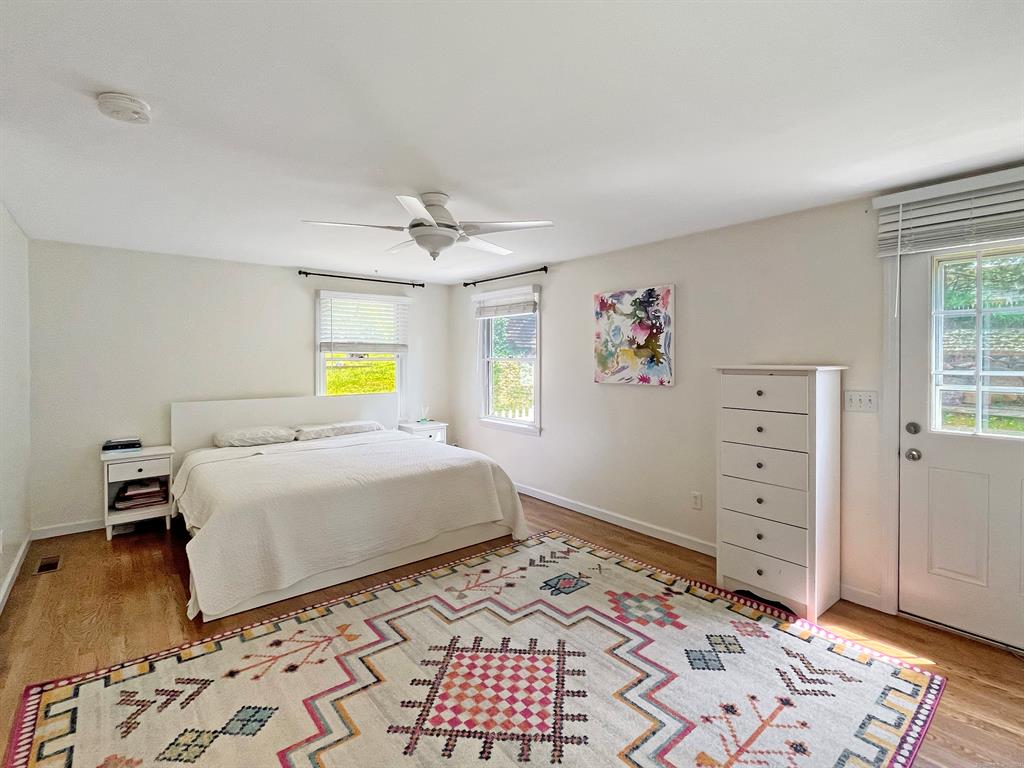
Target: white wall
14, 396
119, 335
799, 288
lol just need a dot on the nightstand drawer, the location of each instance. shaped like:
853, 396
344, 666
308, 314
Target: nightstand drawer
132, 470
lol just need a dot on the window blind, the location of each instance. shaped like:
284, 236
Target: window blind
508, 302
991, 214
353, 322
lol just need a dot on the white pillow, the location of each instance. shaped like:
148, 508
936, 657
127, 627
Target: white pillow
247, 436
316, 431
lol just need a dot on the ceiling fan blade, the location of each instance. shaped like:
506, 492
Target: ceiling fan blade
482, 245
400, 246
345, 224
415, 208
487, 227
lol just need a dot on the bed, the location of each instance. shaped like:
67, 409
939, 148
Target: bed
274, 521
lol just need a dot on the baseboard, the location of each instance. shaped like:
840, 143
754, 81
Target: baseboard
867, 599
12, 574
66, 528
648, 529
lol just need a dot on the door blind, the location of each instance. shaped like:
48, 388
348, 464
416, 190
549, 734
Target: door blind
965, 219
350, 322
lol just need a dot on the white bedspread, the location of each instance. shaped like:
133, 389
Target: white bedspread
267, 517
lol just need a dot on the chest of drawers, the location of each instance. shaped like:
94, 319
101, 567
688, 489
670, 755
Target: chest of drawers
778, 484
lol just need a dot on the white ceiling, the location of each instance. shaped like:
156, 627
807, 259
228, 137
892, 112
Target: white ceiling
623, 122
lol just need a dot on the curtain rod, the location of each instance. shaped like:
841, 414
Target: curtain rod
502, 277
305, 273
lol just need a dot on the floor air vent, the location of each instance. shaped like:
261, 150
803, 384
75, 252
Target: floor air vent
48, 564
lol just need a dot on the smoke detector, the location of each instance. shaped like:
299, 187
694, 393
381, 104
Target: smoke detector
121, 106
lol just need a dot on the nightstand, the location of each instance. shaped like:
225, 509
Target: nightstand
432, 430
120, 469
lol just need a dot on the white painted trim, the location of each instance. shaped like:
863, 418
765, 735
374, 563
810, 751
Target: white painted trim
12, 573
648, 529
65, 529
863, 597
970, 184
888, 553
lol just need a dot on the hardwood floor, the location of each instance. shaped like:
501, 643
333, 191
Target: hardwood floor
111, 601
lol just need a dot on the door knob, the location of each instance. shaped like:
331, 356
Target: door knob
913, 454
913, 427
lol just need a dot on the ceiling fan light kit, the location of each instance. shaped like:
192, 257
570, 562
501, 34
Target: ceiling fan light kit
434, 229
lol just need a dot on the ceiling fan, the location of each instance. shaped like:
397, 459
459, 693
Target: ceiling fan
433, 228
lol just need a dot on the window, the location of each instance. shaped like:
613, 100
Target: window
509, 358
361, 341
978, 343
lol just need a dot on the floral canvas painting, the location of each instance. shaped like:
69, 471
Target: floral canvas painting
633, 339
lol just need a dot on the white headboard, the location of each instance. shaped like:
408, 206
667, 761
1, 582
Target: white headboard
193, 425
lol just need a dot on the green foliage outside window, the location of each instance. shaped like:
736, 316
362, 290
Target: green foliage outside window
366, 376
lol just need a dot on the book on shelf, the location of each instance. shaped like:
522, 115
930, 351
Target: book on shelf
136, 494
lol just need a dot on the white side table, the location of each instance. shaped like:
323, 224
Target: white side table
432, 430
120, 468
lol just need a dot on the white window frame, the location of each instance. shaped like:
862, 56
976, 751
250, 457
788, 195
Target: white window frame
484, 360
978, 312
320, 367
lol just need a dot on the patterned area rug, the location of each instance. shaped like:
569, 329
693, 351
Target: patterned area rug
551, 650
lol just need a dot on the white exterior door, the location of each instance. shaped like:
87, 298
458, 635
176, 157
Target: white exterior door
962, 442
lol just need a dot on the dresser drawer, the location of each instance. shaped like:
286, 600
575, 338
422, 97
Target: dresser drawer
763, 571
784, 505
767, 465
765, 393
132, 470
782, 541
771, 430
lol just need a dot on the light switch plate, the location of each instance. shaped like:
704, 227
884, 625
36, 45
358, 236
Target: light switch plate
696, 500
860, 401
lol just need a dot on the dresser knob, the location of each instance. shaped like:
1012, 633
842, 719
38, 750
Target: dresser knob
760, 572
759, 500
760, 393
139, 469
760, 465
759, 536
760, 429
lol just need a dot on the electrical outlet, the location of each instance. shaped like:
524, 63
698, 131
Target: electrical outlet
696, 500
862, 401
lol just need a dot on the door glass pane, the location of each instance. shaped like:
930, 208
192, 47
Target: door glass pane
957, 410
1002, 413
1002, 341
958, 342
959, 284
1002, 281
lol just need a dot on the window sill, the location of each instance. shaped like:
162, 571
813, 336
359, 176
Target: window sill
510, 426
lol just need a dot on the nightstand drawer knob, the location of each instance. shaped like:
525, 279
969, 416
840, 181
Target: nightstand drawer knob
759, 500
140, 469
760, 465
760, 429
760, 572
760, 537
